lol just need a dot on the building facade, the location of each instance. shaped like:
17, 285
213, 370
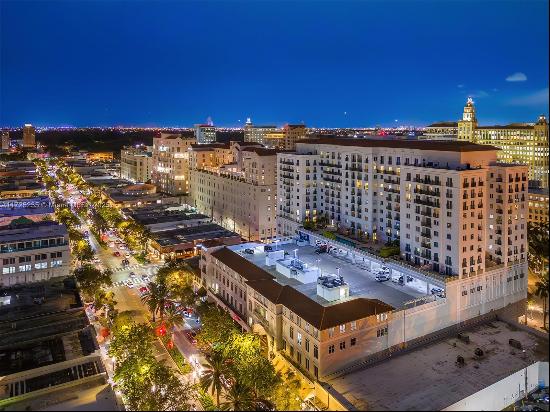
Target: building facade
29, 136
518, 142
136, 163
236, 186
440, 131
257, 134
99, 157
5, 141
170, 156
33, 253
450, 205
538, 206
205, 133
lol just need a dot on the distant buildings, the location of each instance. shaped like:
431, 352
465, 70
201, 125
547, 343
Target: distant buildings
538, 205
440, 131
33, 252
205, 133
98, 157
518, 142
171, 163
257, 134
236, 186
136, 163
5, 141
29, 139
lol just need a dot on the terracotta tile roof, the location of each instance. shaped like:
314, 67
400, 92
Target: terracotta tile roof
319, 316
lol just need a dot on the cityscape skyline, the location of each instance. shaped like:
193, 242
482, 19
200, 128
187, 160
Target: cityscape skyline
141, 69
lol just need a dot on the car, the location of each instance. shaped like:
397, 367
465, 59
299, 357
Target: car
543, 399
382, 277
321, 249
143, 290
268, 248
127, 255
398, 280
249, 251
130, 285
111, 244
117, 253
133, 275
191, 336
125, 262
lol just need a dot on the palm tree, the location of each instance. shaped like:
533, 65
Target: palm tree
156, 298
172, 317
212, 377
541, 291
238, 398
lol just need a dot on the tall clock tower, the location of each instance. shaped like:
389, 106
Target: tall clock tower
468, 124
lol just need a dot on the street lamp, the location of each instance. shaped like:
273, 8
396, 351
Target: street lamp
295, 253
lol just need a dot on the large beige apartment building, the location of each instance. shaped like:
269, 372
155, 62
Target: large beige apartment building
29, 136
439, 200
136, 163
518, 142
235, 185
459, 215
170, 171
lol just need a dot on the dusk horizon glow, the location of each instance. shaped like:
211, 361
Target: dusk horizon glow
352, 64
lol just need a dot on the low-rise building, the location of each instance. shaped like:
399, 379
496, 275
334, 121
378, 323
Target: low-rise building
99, 157
184, 242
157, 218
138, 195
205, 133
34, 252
34, 208
440, 131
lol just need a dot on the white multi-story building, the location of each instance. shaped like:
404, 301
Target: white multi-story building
436, 198
33, 253
205, 133
235, 185
171, 163
136, 163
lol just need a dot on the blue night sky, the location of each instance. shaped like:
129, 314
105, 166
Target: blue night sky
348, 64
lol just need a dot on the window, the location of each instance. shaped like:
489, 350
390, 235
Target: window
343, 328
382, 332
331, 349
315, 352
354, 323
299, 338
353, 341
307, 345
331, 332
307, 364
343, 345
291, 332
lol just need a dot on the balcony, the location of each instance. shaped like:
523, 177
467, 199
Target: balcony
428, 192
427, 202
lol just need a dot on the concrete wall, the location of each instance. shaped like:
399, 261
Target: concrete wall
506, 391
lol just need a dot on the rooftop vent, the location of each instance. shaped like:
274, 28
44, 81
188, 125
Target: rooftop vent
332, 287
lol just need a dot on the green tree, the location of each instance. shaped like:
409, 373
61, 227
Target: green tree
172, 317
238, 398
217, 327
213, 377
156, 298
132, 340
541, 291
91, 280
249, 366
538, 241
148, 385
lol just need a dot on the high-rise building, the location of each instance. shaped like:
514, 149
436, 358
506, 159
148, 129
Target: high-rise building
450, 205
170, 171
518, 142
293, 133
205, 133
29, 140
235, 185
257, 134
5, 141
539, 202
136, 163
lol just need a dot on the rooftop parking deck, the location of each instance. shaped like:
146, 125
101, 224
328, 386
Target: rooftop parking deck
360, 280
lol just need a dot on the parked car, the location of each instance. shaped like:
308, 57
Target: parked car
133, 275
191, 336
268, 248
382, 277
321, 249
398, 280
249, 251
127, 255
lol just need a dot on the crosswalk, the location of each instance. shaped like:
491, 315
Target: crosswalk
121, 268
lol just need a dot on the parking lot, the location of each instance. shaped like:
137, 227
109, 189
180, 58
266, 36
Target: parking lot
360, 280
